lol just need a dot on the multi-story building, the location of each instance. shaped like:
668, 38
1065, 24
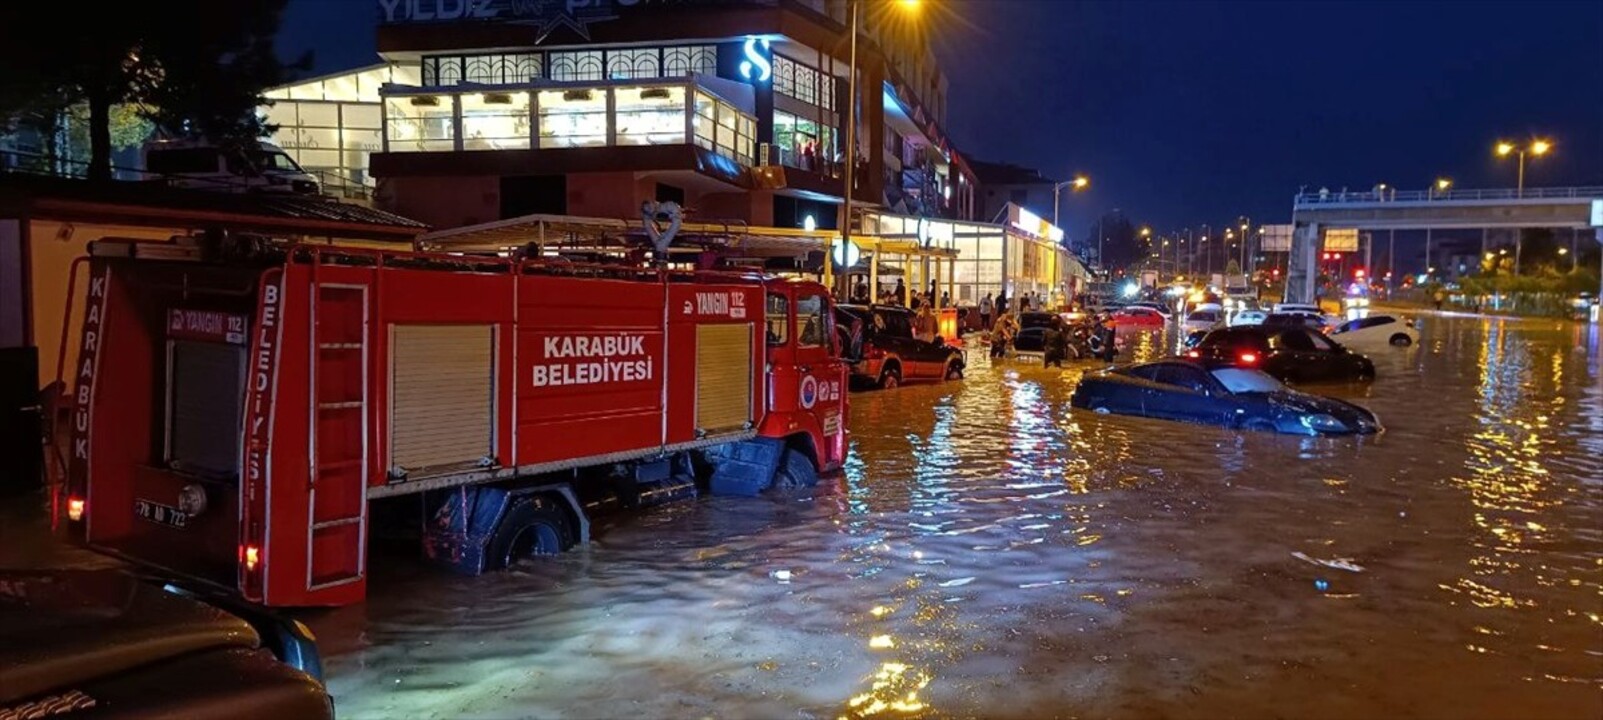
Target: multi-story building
1003, 183
736, 109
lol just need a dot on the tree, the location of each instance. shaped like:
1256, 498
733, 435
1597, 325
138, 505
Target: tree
194, 67
129, 128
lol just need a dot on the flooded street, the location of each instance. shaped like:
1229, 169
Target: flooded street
992, 553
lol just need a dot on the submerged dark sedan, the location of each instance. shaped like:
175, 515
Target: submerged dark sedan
1032, 331
1218, 394
1292, 354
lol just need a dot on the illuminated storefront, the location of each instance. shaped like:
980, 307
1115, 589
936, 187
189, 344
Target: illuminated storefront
1026, 254
330, 124
616, 114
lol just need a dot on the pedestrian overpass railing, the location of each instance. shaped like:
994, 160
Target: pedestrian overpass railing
1326, 198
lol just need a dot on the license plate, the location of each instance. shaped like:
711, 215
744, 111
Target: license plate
160, 514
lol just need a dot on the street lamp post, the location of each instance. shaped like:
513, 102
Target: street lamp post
851, 129
1537, 148
1080, 182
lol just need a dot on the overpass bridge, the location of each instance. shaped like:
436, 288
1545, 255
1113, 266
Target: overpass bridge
1313, 214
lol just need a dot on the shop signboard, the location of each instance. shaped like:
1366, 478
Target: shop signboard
547, 15
1341, 240
1276, 238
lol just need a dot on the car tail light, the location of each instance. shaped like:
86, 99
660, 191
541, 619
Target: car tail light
74, 509
1193, 354
252, 556
1248, 358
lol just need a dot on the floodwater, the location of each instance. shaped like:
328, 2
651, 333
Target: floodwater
990, 552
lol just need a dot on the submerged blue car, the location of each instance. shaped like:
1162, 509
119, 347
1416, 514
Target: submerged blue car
1218, 394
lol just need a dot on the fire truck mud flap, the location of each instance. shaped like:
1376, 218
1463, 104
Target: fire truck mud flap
467, 521
744, 468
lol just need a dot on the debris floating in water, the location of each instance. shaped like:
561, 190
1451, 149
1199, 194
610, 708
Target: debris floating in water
1337, 563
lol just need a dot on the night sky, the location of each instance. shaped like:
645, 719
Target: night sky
1191, 112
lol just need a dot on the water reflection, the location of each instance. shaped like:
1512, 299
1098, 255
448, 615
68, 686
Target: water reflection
991, 552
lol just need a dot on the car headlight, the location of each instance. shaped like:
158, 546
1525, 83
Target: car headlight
1323, 423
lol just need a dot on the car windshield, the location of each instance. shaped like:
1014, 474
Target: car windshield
271, 160
1244, 380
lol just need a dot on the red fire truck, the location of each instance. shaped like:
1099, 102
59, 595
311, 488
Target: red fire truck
241, 409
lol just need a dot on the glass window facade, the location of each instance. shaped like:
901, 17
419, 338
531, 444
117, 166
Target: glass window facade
330, 125
806, 84
577, 65
569, 65
650, 115
1033, 264
634, 64
495, 121
719, 127
420, 123
802, 142
573, 118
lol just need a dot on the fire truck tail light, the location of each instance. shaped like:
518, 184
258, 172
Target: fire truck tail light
252, 555
74, 509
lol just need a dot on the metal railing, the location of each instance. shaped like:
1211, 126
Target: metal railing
332, 183
1391, 195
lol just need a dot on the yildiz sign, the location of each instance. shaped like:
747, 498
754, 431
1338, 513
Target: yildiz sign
547, 15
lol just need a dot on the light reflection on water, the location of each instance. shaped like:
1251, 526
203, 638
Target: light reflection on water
989, 552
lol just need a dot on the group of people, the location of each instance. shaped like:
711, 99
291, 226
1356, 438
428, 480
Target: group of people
861, 294
1097, 335
988, 306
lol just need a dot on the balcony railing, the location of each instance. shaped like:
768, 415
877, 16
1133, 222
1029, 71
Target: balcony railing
1327, 198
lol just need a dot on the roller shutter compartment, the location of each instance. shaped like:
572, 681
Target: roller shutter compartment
442, 397
723, 377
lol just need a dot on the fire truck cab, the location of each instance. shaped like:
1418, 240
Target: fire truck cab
240, 407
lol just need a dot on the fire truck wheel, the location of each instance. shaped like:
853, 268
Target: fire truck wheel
795, 471
890, 377
535, 526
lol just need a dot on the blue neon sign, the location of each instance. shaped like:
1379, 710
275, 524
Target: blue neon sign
759, 63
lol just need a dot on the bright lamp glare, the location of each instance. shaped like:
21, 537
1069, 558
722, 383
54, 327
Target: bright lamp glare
1131, 289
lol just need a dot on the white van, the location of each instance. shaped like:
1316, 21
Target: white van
201, 165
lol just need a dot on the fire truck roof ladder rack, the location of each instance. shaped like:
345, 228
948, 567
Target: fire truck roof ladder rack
115, 247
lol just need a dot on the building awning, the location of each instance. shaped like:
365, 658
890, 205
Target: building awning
156, 205
571, 232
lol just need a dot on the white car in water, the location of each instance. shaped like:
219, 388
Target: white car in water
1248, 317
1203, 319
1372, 334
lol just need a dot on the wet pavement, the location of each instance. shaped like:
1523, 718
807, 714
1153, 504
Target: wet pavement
992, 553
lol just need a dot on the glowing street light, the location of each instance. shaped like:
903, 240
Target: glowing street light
1443, 183
909, 6
1080, 182
1537, 148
